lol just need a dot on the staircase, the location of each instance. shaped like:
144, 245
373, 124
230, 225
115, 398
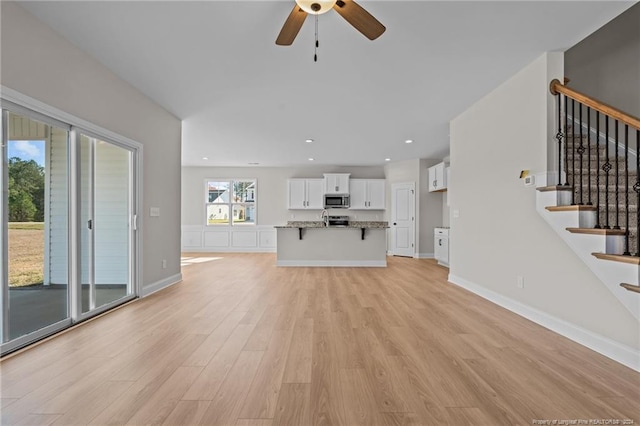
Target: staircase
594, 204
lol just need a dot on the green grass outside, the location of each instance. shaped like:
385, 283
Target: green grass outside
223, 221
35, 226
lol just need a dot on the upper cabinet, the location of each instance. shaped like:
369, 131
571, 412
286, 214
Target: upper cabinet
305, 194
367, 194
437, 178
336, 183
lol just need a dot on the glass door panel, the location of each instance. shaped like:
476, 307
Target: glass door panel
35, 217
106, 210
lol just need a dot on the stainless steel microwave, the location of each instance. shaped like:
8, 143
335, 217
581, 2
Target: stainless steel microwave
336, 201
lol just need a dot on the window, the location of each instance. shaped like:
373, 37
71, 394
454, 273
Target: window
231, 202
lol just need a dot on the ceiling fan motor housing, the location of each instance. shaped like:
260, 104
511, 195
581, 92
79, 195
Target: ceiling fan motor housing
316, 7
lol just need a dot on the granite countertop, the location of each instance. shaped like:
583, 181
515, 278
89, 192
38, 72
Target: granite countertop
320, 224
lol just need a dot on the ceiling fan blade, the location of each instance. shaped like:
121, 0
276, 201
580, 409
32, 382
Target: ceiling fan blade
291, 26
361, 20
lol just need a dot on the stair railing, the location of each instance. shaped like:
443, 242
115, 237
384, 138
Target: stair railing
575, 112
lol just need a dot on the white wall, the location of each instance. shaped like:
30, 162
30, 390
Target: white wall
37, 62
498, 234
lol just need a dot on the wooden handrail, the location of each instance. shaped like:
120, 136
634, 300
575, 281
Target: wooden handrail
556, 87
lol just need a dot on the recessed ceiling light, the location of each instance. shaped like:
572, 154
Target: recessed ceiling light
308, 140
253, 164
387, 159
205, 158
409, 141
311, 159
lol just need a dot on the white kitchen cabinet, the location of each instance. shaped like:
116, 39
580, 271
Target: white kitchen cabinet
305, 194
441, 246
437, 178
367, 194
336, 183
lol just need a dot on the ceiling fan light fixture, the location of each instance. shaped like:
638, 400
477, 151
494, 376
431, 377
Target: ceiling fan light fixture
316, 7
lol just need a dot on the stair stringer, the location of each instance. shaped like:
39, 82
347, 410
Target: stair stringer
611, 274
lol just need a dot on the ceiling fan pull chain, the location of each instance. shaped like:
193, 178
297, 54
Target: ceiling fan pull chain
315, 52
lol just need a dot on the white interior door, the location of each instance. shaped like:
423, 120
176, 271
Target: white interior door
403, 213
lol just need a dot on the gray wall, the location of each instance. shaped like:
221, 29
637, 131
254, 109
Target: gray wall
272, 191
430, 213
606, 65
428, 204
37, 62
498, 234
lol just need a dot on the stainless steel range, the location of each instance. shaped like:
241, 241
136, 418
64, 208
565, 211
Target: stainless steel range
338, 221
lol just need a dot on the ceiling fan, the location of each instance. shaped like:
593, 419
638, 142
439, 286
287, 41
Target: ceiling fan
353, 13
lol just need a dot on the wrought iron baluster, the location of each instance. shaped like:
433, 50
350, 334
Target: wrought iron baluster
626, 189
559, 137
617, 225
589, 156
606, 167
573, 152
598, 169
636, 187
566, 143
580, 151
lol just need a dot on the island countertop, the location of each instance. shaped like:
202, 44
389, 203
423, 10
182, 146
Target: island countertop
320, 224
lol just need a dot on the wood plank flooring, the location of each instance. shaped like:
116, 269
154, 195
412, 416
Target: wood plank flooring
241, 342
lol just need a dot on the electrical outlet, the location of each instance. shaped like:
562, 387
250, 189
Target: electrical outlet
164, 263
520, 281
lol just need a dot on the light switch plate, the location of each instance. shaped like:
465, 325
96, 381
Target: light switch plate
154, 211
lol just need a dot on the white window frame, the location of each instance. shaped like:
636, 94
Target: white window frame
230, 203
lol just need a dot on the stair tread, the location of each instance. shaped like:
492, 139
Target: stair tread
570, 208
554, 188
624, 258
597, 231
631, 287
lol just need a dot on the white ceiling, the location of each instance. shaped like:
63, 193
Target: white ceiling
242, 99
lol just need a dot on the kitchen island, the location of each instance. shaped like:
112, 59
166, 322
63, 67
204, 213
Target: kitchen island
312, 243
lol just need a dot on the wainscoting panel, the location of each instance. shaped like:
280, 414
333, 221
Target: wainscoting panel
192, 239
216, 239
228, 239
268, 239
244, 239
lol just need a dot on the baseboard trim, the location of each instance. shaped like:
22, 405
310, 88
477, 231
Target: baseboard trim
424, 255
228, 249
159, 285
334, 263
618, 352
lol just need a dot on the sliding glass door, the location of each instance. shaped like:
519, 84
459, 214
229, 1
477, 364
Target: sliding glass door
105, 216
69, 243
35, 290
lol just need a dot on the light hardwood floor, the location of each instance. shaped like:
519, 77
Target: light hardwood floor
242, 342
